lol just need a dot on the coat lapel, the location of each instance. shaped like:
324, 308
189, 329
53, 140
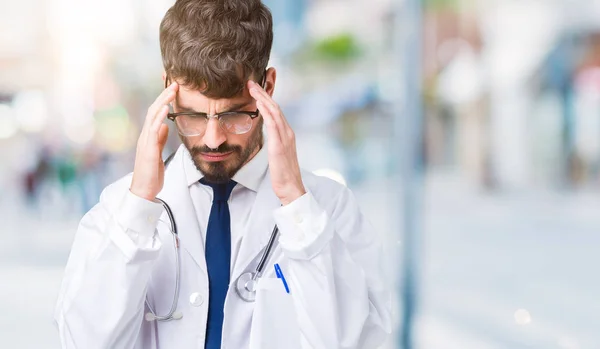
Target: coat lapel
177, 195
259, 228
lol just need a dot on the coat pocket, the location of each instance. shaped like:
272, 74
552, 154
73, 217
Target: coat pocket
274, 323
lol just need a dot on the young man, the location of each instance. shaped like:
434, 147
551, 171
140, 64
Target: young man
127, 285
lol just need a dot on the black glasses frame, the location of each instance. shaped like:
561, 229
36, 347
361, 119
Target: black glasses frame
252, 114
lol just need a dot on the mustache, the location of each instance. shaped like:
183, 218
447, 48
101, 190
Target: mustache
223, 148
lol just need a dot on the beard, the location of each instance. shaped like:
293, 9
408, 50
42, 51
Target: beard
223, 171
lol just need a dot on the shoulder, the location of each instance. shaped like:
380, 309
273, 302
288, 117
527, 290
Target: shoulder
327, 192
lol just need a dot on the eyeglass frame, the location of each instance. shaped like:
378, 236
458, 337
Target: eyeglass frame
252, 114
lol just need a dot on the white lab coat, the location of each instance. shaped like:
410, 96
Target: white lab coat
339, 297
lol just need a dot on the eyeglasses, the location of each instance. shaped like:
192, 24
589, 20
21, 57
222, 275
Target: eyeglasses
190, 124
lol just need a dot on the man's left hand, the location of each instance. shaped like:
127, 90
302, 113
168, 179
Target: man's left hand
283, 159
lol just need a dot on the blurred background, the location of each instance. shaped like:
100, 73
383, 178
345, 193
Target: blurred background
469, 131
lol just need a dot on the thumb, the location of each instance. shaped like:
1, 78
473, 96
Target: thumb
163, 134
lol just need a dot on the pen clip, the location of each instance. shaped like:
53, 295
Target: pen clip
279, 274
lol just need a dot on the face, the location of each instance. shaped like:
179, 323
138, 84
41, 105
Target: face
218, 154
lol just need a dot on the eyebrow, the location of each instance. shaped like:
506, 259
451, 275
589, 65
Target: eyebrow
233, 107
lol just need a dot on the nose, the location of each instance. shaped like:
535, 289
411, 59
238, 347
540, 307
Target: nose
214, 135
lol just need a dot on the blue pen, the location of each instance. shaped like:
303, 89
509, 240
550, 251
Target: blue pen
279, 274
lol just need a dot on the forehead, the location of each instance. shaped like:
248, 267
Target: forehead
192, 99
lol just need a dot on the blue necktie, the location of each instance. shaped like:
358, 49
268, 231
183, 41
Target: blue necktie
218, 255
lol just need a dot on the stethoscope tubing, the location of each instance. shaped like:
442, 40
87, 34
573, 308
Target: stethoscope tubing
257, 273
169, 316
263, 260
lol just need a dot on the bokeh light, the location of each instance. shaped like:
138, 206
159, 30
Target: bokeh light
8, 124
522, 317
31, 110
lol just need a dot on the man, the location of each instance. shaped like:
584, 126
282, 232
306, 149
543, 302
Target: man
226, 188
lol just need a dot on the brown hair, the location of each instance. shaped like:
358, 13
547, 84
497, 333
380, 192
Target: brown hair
215, 46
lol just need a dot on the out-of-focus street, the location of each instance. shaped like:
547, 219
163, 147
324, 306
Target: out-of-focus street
512, 270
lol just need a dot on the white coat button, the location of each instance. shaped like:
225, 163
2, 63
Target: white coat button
298, 218
196, 299
151, 219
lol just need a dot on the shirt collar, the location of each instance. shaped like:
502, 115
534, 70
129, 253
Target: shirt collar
249, 176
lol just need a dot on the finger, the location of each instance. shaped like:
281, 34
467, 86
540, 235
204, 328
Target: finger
283, 128
163, 134
272, 129
258, 93
160, 118
168, 93
166, 97
261, 95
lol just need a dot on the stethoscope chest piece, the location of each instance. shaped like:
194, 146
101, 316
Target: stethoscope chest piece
245, 286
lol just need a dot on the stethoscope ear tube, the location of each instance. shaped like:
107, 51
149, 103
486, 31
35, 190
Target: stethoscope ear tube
170, 214
261, 264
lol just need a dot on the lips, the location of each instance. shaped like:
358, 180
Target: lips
214, 157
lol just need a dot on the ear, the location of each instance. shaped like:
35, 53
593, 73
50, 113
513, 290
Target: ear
164, 79
270, 81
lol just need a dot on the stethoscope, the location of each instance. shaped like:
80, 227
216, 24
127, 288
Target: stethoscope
245, 284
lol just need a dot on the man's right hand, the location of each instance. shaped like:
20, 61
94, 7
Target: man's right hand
149, 169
